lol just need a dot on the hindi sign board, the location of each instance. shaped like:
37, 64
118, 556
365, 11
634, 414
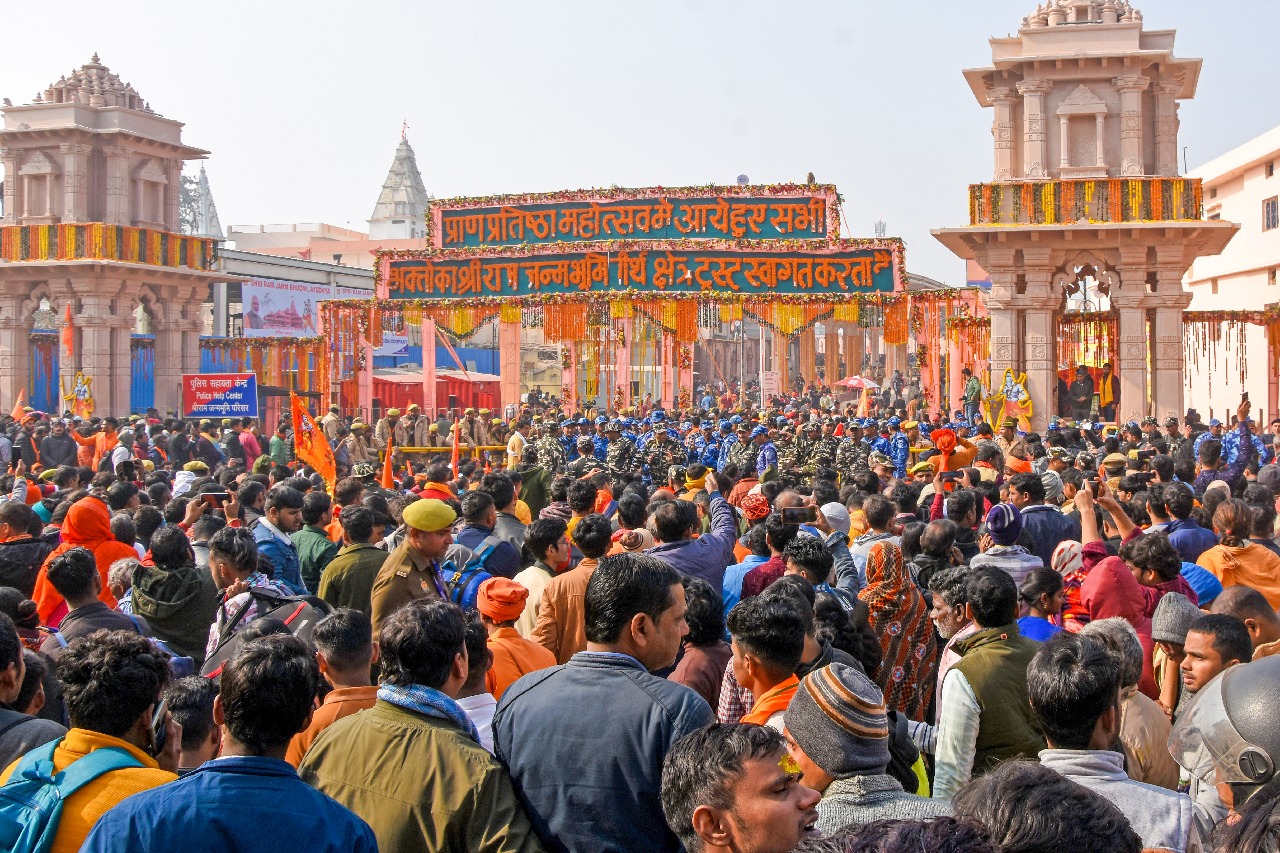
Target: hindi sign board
676, 273
219, 395
657, 218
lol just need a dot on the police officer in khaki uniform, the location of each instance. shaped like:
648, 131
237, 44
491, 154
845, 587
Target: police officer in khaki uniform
412, 570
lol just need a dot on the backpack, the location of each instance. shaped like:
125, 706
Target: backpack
31, 803
463, 585
299, 613
180, 666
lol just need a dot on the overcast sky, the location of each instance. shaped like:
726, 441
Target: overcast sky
301, 104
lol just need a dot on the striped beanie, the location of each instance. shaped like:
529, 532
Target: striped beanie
1004, 523
837, 717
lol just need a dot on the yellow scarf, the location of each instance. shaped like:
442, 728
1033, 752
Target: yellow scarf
1104, 390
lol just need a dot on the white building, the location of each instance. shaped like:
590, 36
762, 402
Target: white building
1240, 186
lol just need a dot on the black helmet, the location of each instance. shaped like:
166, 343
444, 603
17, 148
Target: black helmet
1229, 734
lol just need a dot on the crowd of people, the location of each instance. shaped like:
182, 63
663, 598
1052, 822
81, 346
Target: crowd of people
722, 629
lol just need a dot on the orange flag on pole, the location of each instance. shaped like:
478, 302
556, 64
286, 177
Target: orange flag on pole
68, 335
388, 478
19, 407
309, 442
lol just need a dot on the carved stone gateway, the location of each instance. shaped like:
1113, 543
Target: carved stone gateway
1087, 190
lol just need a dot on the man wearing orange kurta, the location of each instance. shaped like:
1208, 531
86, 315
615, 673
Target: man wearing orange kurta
501, 602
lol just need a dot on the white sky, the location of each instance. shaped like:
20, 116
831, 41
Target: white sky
302, 103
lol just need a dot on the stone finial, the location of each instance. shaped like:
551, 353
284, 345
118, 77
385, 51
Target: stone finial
95, 60
93, 84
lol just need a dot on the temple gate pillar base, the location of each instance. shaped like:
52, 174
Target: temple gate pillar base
15, 349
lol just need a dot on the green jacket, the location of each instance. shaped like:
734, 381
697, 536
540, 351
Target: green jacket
995, 664
420, 783
348, 580
179, 604
315, 550
280, 451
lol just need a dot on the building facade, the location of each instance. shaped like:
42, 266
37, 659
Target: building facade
1087, 197
1240, 186
91, 221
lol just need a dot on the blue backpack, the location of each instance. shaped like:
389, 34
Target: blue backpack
31, 803
463, 585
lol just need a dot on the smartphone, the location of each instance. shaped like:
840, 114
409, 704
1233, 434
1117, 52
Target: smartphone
215, 499
1093, 486
1244, 398
950, 475
159, 729
799, 514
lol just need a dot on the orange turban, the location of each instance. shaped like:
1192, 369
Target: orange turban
755, 507
1016, 465
502, 599
944, 440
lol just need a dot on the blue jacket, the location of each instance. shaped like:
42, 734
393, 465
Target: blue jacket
1046, 527
1190, 538
283, 557
246, 804
505, 559
710, 554
595, 785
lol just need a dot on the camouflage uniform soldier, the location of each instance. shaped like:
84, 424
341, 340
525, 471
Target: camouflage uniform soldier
743, 453
660, 455
622, 458
852, 457
824, 452
550, 454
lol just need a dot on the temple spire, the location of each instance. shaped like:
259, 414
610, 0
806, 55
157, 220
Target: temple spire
401, 209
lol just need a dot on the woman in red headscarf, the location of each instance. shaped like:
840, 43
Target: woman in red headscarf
88, 525
900, 618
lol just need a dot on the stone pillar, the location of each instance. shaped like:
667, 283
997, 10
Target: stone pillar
1167, 130
430, 395
1035, 147
1006, 324
831, 344
1168, 358
118, 211
172, 195
75, 182
9, 157
1100, 128
122, 360
856, 350
1132, 161
509, 362
169, 340
1131, 327
1002, 129
15, 347
1038, 351
95, 324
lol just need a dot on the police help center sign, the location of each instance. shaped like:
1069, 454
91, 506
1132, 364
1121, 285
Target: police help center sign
219, 395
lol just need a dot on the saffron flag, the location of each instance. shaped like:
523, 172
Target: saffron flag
388, 478
19, 408
309, 443
68, 335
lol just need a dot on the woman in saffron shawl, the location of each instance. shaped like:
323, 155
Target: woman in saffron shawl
900, 618
88, 525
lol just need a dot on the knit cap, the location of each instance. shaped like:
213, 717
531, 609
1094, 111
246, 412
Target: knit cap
837, 516
837, 717
1004, 524
1174, 616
